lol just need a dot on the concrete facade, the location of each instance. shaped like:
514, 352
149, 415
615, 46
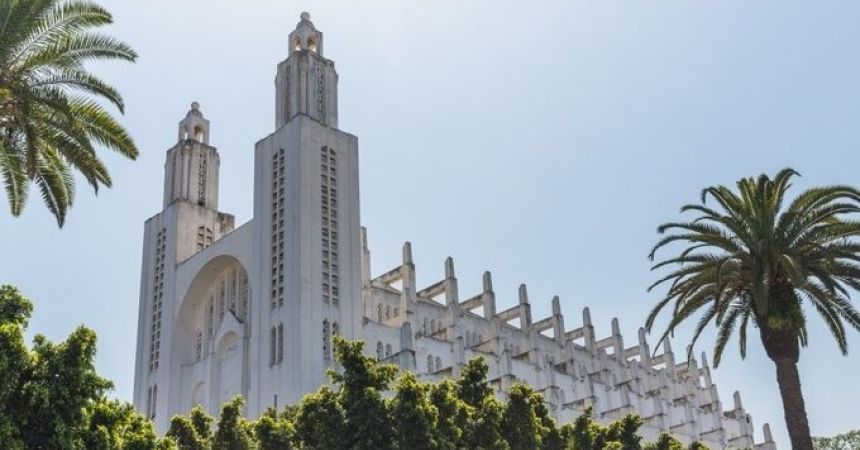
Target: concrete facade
252, 310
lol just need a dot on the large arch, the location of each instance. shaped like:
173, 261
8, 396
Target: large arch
211, 332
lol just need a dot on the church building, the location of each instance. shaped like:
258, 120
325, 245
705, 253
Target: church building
252, 310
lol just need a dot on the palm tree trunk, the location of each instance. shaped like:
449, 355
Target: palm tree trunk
792, 403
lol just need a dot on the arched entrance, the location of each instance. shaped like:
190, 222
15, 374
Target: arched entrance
211, 335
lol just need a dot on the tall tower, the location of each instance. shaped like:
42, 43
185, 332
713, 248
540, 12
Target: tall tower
306, 215
188, 223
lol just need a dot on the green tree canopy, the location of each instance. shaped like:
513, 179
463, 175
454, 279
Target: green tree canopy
51, 396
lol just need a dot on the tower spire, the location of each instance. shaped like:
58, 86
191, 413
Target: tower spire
191, 168
306, 82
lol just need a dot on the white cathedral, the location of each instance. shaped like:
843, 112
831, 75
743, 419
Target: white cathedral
252, 310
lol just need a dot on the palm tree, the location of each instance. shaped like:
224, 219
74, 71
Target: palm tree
50, 119
753, 260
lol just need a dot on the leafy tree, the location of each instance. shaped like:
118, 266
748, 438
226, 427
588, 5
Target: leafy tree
625, 431
361, 385
452, 414
321, 421
472, 385
551, 436
111, 424
191, 433
483, 428
520, 425
665, 442
413, 415
234, 432
754, 259
584, 433
51, 396
844, 441
50, 119
274, 432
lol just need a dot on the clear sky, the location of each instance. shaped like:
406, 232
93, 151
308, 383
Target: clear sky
543, 141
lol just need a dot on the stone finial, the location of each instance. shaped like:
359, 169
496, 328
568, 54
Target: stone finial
523, 295
704, 360
305, 16
488, 281
768, 437
195, 106
616, 328
642, 340
556, 306
449, 267
667, 346
586, 317
737, 399
407, 252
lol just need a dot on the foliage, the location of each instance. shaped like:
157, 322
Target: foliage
448, 415
51, 396
756, 258
50, 119
845, 441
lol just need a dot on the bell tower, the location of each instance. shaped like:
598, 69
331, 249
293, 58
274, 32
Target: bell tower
306, 82
192, 165
306, 214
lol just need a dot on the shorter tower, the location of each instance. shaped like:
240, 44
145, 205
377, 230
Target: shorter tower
188, 223
191, 169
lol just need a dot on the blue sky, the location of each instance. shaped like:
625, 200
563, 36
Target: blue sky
543, 141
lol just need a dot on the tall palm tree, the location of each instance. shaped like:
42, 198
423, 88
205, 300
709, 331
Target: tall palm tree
753, 260
50, 117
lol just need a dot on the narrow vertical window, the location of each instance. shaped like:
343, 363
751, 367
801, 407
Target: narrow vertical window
154, 401
438, 364
280, 342
388, 351
430, 364
198, 346
379, 350
273, 346
326, 334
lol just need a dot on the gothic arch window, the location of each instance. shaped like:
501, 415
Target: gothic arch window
426, 326
379, 350
432, 326
326, 340
312, 45
438, 364
388, 350
335, 329
387, 312
430, 364
379, 308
